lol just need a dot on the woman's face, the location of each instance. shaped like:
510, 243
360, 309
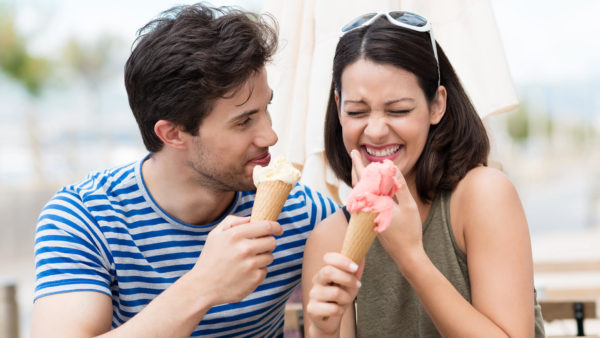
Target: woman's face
384, 113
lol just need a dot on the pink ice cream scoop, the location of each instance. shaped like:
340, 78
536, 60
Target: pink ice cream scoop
374, 191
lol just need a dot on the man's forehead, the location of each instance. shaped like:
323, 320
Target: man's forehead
244, 92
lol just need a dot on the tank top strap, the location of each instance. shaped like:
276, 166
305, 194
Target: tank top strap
346, 213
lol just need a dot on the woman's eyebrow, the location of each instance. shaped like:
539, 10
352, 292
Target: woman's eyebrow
398, 100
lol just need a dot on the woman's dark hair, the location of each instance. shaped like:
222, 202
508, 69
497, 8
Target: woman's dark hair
455, 145
189, 57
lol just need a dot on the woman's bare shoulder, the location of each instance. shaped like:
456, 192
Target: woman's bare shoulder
483, 185
329, 232
486, 200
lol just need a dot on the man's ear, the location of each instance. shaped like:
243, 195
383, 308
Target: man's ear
170, 133
438, 105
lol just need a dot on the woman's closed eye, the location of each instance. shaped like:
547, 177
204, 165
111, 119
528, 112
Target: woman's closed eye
400, 111
356, 112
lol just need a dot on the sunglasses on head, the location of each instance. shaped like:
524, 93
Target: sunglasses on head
404, 19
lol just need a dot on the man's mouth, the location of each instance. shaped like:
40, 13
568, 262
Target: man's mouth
262, 160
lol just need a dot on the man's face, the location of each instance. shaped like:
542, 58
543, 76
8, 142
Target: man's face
235, 137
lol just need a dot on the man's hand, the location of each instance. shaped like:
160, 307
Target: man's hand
234, 258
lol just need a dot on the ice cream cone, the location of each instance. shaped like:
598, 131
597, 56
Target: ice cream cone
359, 235
269, 200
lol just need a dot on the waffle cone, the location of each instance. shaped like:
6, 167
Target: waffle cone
269, 200
359, 235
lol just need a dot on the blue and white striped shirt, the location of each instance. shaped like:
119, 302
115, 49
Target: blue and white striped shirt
107, 234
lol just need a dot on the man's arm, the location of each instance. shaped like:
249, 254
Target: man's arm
232, 264
72, 314
174, 313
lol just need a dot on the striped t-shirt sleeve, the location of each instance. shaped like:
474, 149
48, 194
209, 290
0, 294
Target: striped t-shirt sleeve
70, 254
319, 206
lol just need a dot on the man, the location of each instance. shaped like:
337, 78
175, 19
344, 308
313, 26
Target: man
163, 246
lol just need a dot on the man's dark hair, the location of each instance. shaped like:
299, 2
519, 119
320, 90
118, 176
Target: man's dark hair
190, 56
455, 145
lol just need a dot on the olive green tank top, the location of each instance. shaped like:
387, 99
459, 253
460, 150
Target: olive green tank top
387, 306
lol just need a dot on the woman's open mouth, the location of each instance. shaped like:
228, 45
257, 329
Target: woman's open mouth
378, 154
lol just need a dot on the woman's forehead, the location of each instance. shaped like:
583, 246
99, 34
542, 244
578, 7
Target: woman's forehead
367, 78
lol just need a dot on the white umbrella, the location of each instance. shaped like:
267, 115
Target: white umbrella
301, 71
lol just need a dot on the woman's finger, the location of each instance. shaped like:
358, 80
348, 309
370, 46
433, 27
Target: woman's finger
323, 310
330, 275
403, 195
340, 261
357, 166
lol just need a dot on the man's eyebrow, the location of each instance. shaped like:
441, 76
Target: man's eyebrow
249, 112
244, 115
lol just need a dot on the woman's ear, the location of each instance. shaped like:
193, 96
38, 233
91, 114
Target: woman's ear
170, 133
438, 105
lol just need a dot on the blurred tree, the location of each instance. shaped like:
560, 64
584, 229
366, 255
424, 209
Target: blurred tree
549, 126
518, 124
91, 61
31, 71
16, 62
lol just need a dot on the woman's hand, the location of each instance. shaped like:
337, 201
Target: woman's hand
403, 239
334, 289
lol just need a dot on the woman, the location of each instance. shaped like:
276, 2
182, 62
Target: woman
456, 260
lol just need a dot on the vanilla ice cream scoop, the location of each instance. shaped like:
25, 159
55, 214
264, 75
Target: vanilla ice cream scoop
280, 169
273, 186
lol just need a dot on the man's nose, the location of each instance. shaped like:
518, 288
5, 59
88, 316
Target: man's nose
267, 136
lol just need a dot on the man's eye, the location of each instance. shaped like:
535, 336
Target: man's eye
244, 122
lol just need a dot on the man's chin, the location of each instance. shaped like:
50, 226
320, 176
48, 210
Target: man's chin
246, 184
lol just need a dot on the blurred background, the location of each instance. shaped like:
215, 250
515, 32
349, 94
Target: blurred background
64, 113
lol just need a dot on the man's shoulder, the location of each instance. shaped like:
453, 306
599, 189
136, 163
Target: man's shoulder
103, 196
107, 181
303, 189
107, 186
310, 197
301, 200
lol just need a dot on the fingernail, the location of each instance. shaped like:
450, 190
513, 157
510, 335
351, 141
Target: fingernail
353, 267
358, 283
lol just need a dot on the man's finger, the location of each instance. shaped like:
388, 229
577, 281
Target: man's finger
259, 229
232, 221
265, 244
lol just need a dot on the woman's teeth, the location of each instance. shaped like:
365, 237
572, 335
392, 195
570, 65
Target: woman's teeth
382, 152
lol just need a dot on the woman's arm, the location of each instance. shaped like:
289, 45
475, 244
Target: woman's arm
329, 281
490, 226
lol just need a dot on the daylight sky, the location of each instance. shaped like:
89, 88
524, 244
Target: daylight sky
546, 41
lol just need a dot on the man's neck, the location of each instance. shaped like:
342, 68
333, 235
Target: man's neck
172, 186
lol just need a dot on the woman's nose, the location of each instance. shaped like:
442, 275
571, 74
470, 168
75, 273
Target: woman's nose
376, 128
